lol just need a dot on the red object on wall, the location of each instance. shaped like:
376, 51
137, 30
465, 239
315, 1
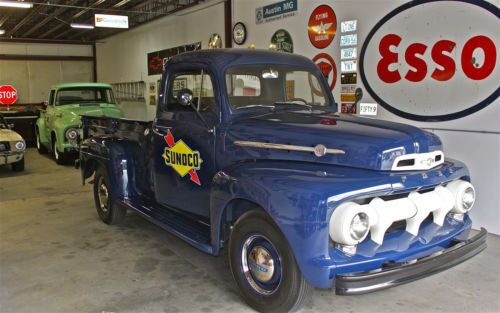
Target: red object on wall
327, 66
322, 26
8, 94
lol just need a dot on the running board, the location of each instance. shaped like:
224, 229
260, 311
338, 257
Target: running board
190, 230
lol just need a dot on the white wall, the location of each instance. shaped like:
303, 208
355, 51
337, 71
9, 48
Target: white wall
474, 139
123, 57
33, 79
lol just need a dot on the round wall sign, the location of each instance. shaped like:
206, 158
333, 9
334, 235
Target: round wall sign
239, 33
215, 41
322, 26
327, 66
281, 41
431, 60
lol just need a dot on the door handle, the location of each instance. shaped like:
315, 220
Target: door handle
160, 130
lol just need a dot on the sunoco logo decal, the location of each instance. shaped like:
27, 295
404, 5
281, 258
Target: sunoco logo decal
181, 158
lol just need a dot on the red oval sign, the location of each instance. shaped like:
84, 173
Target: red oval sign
322, 26
327, 66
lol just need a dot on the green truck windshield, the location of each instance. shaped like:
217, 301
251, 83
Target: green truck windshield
84, 95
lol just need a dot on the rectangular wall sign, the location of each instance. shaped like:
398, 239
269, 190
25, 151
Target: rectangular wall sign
275, 11
111, 21
348, 53
368, 109
348, 26
348, 40
155, 59
348, 78
348, 66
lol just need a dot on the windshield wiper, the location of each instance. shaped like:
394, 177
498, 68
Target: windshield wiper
294, 102
255, 106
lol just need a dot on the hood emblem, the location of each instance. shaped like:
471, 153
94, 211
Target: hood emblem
318, 150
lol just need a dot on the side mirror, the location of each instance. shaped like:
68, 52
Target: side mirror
10, 126
358, 94
185, 97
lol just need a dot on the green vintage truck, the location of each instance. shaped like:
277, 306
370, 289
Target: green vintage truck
59, 123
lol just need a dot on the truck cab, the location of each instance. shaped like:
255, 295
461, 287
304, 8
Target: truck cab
247, 152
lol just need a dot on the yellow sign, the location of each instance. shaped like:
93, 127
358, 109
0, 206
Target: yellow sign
347, 97
182, 158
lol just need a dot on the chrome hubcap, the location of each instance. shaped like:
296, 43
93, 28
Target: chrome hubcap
261, 264
103, 195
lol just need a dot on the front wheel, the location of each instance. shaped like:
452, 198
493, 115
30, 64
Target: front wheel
108, 211
60, 157
264, 267
39, 146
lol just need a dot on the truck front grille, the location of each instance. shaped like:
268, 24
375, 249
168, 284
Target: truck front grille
4, 146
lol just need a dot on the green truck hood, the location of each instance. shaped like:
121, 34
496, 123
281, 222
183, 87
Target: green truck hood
71, 112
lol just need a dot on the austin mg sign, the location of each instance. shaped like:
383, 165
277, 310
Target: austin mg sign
434, 60
8, 94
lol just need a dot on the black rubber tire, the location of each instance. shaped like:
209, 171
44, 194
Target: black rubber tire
18, 166
39, 146
293, 292
60, 157
116, 213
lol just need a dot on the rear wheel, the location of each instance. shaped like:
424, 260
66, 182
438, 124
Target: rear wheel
264, 266
18, 166
39, 146
108, 211
60, 157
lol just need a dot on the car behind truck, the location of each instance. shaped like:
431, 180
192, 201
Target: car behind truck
247, 153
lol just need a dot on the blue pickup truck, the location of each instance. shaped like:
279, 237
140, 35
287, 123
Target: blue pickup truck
248, 153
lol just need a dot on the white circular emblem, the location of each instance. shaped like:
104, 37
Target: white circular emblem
319, 150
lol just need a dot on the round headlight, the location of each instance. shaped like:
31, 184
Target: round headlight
19, 145
71, 134
465, 195
468, 197
360, 225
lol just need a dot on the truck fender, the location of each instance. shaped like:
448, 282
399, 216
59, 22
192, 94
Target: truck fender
298, 211
40, 125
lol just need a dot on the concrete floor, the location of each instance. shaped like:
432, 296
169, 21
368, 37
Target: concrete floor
57, 256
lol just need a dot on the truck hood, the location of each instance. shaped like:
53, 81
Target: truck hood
72, 112
9, 135
365, 143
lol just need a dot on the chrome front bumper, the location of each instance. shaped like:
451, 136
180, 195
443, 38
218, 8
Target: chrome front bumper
400, 273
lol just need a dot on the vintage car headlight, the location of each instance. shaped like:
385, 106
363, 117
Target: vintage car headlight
465, 196
349, 224
19, 145
360, 225
71, 134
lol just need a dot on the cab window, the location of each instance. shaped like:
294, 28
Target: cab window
199, 84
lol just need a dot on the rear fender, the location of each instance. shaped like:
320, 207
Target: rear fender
114, 156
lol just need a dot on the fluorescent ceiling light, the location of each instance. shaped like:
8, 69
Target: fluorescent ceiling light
2, 31
85, 26
16, 4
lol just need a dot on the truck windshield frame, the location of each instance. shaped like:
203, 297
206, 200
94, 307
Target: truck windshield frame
93, 95
270, 86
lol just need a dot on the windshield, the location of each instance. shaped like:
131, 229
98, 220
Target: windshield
273, 86
84, 95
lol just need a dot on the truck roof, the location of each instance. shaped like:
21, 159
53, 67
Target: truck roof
223, 58
80, 84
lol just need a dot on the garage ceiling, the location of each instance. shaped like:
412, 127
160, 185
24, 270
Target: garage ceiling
50, 20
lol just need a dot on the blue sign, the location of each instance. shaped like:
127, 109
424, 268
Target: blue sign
275, 11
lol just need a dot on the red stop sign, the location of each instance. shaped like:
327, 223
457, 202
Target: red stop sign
8, 94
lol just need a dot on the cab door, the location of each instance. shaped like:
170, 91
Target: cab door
184, 142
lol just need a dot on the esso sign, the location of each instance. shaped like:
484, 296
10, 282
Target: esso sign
434, 60
8, 94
